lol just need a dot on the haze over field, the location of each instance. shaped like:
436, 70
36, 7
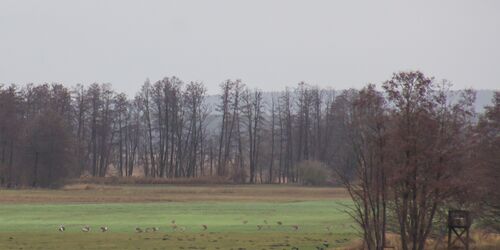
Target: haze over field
268, 44
266, 125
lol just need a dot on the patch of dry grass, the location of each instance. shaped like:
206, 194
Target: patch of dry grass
162, 240
480, 240
94, 193
134, 180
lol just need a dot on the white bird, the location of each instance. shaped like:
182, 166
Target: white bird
61, 228
156, 229
205, 227
138, 230
295, 227
86, 229
104, 229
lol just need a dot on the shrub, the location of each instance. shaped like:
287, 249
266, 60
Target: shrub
314, 173
239, 175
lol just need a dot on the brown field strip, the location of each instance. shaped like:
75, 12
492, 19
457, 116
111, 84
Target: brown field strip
93, 193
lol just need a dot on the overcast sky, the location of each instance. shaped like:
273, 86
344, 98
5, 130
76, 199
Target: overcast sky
267, 44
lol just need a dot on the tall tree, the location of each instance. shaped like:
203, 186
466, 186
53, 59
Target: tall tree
367, 137
253, 111
427, 150
486, 165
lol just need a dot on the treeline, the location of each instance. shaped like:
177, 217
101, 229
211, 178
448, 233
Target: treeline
169, 130
405, 152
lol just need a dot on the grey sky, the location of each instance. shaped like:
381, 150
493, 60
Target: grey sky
268, 44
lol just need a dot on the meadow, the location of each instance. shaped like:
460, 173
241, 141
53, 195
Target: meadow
237, 217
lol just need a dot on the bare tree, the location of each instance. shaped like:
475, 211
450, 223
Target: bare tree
121, 106
49, 148
193, 101
10, 123
486, 166
224, 108
273, 137
427, 148
253, 111
368, 189
145, 98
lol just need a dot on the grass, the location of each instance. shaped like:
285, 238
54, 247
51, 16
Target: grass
167, 241
29, 218
312, 216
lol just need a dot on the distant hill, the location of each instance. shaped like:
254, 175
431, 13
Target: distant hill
483, 98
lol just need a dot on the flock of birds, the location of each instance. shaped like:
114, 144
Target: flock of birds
325, 244
84, 229
175, 227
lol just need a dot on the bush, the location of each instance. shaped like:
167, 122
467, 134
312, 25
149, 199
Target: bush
314, 173
239, 175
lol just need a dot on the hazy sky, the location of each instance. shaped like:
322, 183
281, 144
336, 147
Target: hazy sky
267, 44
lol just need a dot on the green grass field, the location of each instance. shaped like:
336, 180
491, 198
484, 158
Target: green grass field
32, 224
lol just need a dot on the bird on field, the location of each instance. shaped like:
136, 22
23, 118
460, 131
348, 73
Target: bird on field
148, 229
156, 229
174, 227
328, 228
259, 227
86, 229
138, 230
245, 222
295, 248
204, 227
104, 229
295, 227
325, 243
341, 240
279, 223
61, 228
182, 229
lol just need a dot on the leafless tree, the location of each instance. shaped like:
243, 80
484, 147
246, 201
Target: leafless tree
366, 135
427, 147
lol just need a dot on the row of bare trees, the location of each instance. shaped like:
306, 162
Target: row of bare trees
174, 129
170, 129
